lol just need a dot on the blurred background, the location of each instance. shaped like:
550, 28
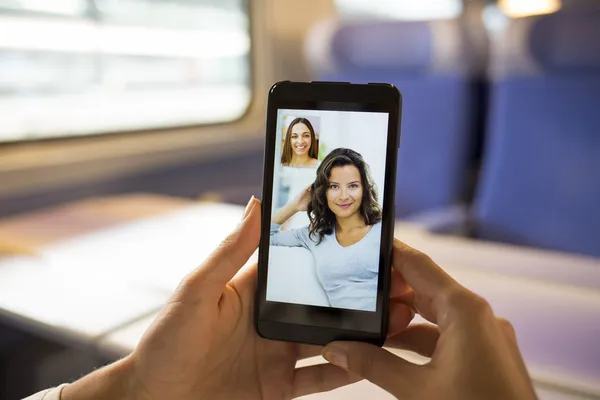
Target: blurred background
142, 122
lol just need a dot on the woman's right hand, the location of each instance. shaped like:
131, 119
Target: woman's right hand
297, 204
300, 202
474, 354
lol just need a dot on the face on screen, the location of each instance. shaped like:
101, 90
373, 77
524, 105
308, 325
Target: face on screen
325, 235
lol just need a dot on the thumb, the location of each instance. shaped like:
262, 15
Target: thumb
209, 279
375, 364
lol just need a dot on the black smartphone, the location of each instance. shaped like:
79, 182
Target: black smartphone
324, 261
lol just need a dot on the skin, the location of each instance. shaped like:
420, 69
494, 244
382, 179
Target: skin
204, 345
344, 198
474, 355
301, 142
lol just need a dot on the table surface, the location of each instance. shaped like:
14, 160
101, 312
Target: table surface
106, 286
69, 306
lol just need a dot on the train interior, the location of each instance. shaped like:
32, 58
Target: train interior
132, 135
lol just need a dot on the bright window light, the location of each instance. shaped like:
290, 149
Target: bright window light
401, 9
524, 8
119, 65
70, 7
88, 37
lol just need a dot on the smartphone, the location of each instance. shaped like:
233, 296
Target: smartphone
324, 260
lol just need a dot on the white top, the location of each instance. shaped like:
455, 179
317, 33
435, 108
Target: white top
48, 394
349, 275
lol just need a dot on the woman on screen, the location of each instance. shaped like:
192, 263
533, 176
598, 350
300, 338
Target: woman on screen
344, 231
300, 145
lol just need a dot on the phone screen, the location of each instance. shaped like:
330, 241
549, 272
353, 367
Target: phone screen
326, 211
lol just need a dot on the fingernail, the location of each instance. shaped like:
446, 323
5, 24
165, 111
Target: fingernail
336, 357
249, 208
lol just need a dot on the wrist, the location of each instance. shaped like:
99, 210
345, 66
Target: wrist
115, 381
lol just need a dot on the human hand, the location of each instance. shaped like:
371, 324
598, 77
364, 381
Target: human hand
204, 344
474, 355
301, 201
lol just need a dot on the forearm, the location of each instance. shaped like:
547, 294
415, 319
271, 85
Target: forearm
284, 214
111, 382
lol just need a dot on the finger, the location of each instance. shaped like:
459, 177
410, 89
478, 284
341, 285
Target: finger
244, 281
308, 351
399, 288
221, 266
320, 378
378, 365
431, 285
400, 317
507, 328
419, 271
510, 336
419, 338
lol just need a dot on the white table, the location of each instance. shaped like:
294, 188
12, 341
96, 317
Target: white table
72, 308
123, 341
156, 252
80, 289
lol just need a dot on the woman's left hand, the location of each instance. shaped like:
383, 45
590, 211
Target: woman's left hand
302, 200
204, 344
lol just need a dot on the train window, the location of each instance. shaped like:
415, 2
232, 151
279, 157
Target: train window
400, 9
79, 67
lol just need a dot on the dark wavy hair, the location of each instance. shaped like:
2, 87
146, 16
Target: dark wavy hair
286, 155
322, 219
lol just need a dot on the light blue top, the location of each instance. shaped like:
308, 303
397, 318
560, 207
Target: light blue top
348, 274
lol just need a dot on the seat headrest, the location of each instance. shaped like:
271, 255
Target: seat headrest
383, 46
405, 47
567, 41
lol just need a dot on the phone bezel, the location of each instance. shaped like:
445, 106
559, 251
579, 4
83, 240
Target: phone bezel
313, 324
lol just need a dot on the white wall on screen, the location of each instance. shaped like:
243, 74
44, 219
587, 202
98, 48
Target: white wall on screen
363, 132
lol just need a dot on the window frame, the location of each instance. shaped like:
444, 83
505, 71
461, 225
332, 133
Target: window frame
40, 164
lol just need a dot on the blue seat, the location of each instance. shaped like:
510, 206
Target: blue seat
540, 184
434, 64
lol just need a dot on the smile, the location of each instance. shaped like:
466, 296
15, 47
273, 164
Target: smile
344, 206
300, 147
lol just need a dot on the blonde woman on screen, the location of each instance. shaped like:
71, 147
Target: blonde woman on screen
300, 145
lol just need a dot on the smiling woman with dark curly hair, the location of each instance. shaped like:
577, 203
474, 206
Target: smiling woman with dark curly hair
344, 232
